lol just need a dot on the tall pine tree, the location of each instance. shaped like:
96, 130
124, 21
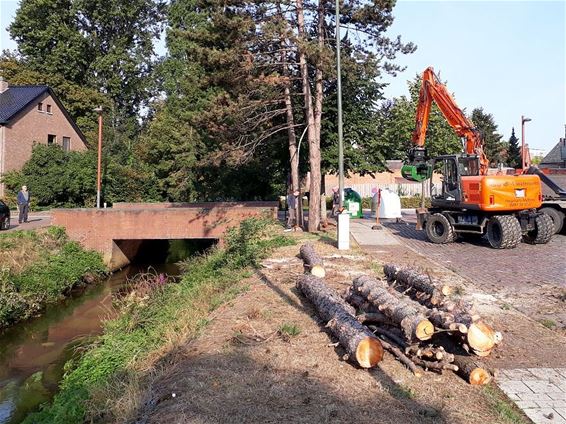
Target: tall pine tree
514, 153
494, 148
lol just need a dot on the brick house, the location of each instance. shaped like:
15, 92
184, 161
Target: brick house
31, 114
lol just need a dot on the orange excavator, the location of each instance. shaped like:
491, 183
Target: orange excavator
503, 207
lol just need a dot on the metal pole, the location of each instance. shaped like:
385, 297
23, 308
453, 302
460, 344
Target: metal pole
339, 94
99, 167
522, 143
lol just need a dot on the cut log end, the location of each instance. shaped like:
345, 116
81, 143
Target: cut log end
481, 338
318, 271
369, 352
424, 330
479, 377
447, 290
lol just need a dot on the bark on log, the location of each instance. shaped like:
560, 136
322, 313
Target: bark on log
472, 370
360, 343
312, 261
401, 310
433, 289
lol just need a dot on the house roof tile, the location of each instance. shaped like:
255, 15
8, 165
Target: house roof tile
17, 98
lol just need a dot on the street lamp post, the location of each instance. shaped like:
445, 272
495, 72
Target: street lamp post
523, 120
343, 227
99, 165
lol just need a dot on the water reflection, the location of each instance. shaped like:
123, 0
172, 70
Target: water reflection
33, 354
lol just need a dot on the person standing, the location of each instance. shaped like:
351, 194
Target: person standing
23, 204
292, 199
335, 201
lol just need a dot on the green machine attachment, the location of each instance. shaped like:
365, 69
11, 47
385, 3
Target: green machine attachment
418, 172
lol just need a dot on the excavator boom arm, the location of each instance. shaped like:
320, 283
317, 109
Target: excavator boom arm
433, 90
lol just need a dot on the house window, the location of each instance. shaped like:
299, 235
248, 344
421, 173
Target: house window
48, 108
66, 144
51, 139
40, 106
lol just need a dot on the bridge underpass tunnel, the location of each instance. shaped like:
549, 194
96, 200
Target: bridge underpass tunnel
160, 251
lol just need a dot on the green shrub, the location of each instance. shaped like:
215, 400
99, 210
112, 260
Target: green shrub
47, 274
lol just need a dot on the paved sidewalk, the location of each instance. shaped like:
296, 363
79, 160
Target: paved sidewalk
366, 237
539, 392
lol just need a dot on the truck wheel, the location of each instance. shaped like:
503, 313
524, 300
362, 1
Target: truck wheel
557, 218
504, 232
543, 232
439, 229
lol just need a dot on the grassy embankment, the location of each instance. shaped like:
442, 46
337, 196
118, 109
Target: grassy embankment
107, 382
38, 268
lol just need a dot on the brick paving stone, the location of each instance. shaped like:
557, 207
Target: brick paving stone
515, 386
534, 396
545, 373
541, 416
542, 398
542, 387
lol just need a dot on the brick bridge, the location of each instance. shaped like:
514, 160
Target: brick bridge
118, 232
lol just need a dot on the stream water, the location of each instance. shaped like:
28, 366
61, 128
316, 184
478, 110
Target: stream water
33, 353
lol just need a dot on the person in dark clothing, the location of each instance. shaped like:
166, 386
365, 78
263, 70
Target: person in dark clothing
335, 202
292, 200
23, 204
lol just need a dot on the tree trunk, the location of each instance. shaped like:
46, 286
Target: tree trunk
314, 147
410, 278
313, 262
403, 311
360, 344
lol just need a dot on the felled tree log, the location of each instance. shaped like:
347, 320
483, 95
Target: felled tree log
313, 263
472, 370
359, 302
433, 290
401, 310
360, 343
431, 352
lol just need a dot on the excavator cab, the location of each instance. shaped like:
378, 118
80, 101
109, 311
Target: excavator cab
453, 168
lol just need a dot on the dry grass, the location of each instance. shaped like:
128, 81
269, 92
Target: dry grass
238, 370
19, 249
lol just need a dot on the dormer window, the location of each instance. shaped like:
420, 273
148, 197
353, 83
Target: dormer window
48, 108
40, 107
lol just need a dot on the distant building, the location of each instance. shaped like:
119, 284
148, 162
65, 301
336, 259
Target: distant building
556, 158
31, 114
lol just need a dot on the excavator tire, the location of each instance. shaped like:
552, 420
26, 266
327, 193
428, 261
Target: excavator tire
557, 218
543, 232
439, 229
504, 232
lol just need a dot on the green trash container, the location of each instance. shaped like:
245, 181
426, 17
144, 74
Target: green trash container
353, 203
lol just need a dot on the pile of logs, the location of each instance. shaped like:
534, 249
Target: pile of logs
409, 314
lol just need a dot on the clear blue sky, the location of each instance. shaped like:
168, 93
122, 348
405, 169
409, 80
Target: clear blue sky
508, 57
505, 56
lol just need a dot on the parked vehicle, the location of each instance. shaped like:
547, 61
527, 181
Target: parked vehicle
554, 205
4, 216
472, 202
